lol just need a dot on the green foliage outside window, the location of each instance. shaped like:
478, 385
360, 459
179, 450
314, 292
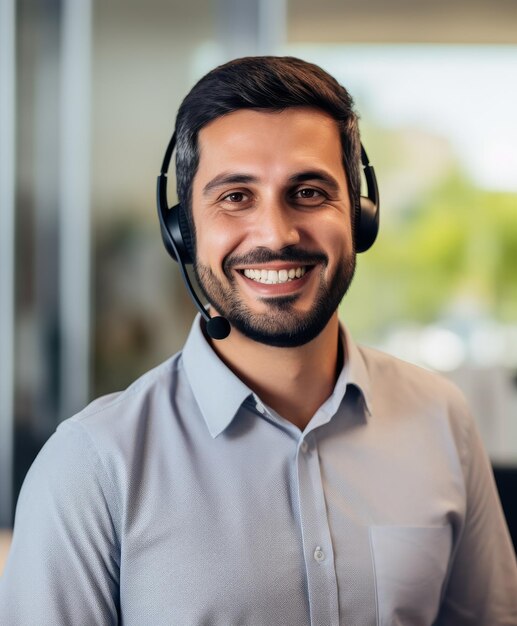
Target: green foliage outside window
458, 243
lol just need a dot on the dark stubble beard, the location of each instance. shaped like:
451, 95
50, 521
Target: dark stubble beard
281, 326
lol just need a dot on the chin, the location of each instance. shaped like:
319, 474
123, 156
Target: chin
279, 324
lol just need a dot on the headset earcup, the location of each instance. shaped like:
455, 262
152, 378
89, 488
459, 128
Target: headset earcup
186, 234
356, 221
366, 226
176, 224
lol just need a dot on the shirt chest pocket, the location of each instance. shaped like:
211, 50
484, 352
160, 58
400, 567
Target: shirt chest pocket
410, 565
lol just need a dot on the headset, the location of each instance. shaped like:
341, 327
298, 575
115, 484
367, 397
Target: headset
177, 235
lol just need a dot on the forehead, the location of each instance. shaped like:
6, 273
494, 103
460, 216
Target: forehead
295, 137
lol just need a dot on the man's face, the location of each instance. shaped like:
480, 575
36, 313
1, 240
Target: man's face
271, 209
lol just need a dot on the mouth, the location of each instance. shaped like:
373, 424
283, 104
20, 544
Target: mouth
275, 277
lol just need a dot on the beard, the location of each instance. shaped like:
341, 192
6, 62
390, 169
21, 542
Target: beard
282, 325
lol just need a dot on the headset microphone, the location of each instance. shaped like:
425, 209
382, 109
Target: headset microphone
216, 327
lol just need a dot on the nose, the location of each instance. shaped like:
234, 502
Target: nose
277, 227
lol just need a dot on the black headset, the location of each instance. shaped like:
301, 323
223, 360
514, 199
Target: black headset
178, 241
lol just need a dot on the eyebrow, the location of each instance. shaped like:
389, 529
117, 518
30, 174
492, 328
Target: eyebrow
228, 178
320, 175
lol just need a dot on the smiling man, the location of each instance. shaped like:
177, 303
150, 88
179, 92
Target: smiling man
274, 249
282, 475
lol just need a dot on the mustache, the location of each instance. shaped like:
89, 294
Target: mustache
265, 255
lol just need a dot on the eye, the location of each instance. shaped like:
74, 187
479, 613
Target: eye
309, 195
235, 197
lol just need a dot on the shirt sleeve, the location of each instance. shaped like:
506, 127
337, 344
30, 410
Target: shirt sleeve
63, 565
482, 587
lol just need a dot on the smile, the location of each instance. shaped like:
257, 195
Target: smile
274, 277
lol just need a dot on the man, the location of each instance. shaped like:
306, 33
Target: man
283, 475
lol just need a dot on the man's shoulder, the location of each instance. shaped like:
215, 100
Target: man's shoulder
400, 375
116, 418
91, 458
414, 389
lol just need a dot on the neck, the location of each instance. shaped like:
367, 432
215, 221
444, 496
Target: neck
293, 381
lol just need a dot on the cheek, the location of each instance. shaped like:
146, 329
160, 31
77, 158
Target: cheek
214, 242
335, 239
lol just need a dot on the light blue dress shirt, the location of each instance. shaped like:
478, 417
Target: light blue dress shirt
184, 500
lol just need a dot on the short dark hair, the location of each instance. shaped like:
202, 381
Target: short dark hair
273, 83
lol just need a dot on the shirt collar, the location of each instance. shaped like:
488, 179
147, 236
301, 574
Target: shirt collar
220, 393
355, 368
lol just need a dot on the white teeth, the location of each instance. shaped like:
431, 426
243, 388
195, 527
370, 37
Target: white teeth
274, 277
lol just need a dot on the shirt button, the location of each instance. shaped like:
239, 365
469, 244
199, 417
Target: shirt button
319, 555
304, 446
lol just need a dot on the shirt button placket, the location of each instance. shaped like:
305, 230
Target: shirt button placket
322, 584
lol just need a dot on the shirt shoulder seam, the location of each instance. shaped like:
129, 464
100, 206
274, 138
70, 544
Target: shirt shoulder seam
82, 431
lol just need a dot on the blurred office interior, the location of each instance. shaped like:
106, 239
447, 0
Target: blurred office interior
88, 96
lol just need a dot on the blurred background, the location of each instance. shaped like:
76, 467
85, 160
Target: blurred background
89, 90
